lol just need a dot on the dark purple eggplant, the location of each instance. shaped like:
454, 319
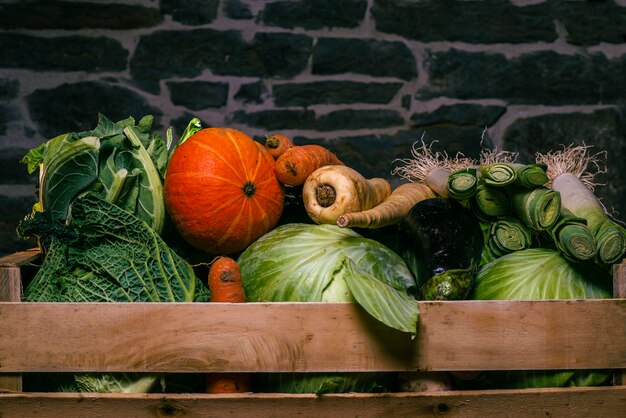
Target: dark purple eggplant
442, 242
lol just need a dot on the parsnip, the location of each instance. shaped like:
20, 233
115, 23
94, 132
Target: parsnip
334, 190
391, 211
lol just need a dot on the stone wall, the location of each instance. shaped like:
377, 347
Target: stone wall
367, 78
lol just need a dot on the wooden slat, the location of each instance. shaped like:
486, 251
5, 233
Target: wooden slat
10, 291
10, 284
566, 403
461, 335
501, 335
619, 291
20, 259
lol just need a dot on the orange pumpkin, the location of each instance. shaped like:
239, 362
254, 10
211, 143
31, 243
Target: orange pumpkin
221, 190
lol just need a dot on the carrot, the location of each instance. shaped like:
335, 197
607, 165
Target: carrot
334, 190
225, 284
229, 383
277, 144
298, 162
390, 212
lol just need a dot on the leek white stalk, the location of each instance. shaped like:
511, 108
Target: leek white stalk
570, 174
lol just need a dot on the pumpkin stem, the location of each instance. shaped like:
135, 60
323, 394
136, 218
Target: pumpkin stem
325, 195
249, 189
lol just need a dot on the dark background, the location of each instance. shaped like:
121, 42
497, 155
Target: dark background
366, 78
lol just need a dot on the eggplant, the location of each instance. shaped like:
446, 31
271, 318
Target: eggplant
441, 242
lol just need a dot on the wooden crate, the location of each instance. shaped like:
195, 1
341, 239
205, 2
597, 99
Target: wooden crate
309, 337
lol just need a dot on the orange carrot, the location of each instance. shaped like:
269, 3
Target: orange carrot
225, 282
298, 162
225, 285
228, 383
277, 144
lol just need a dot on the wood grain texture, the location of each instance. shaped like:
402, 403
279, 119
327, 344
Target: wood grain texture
619, 280
306, 337
619, 291
20, 259
10, 291
567, 403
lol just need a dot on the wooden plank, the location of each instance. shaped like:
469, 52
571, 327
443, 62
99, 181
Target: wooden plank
10, 284
20, 259
301, 337
501, 335
196, 337
619, 280
619, 291
566, 403
10, 291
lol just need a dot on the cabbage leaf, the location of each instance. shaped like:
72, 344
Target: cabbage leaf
540, 274
123, 161
298, 262
324, 263
114, 257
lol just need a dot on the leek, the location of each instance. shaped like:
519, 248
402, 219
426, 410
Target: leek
505, 236
490, 203
530, 175
463, 183
570, 173
572, 237
497, 174
537, 208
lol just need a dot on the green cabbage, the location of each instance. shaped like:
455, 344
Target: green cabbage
538, 274
324, 263
113, 256
123, 161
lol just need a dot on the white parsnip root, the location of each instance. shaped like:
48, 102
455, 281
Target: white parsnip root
390, 212
334, 190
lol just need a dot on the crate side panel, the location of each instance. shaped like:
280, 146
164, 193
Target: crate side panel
306, 337
568, 402
527, 335
10, 291
180, 337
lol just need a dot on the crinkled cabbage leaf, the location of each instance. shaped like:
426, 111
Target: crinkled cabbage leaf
115, 257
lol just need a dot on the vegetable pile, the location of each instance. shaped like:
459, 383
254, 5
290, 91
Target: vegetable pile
546, 204
125, 216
